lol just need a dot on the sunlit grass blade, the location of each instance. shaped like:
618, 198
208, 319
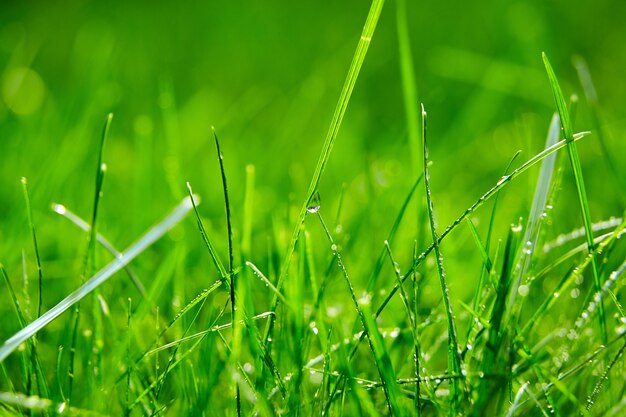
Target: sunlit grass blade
98, 279
454, 361
568, 132
340, 110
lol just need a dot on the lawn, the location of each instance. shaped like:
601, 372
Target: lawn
312, 208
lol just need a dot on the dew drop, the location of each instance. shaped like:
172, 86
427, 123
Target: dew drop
523, 290
314, 203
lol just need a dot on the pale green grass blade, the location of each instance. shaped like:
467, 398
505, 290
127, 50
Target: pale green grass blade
409, 84
538, 208
340, 110
566, 125
454, 361
98, 279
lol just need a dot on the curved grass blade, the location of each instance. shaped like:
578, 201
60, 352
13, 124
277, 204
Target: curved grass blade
572, 151
98, 279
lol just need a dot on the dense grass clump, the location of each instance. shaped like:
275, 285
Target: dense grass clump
466, 263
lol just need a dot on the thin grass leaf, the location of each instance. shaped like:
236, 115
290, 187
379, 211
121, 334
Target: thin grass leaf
231, 275
454, 361
98, 279
566, 126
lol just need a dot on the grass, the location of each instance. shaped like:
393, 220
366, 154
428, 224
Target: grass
380, 272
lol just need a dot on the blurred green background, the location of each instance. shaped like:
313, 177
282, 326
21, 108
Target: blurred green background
267, 75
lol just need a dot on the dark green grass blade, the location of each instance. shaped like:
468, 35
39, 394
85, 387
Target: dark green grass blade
335, 124
231, 275
409, 85
454, 361
566, 125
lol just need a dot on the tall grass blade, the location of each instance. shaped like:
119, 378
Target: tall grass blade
454, 360
566, 126
98, 279
340, 110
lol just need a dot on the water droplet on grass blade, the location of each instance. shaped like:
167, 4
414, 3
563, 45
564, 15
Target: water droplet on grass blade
314, 203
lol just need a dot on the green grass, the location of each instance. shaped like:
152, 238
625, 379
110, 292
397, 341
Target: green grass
371, 271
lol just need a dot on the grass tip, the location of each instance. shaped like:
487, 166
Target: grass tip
59, 208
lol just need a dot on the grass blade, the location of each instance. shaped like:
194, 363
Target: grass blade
566, 126
231, 275
98, 279
454, 361
340, 110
